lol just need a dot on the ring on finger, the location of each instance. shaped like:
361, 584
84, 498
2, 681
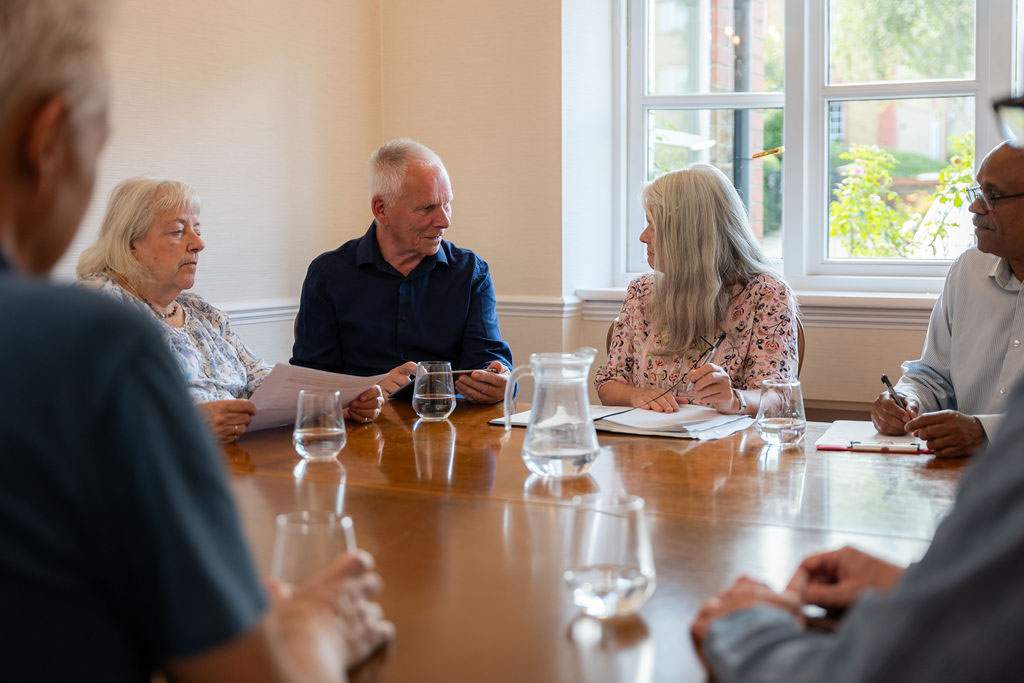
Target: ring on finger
235, 427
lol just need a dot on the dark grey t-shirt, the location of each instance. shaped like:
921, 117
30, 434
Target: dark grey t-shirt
119, 543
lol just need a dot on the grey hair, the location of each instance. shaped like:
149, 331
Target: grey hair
704, 245
49, 47
388, 164
133, 205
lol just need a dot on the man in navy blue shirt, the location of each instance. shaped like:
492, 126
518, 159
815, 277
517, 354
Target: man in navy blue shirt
401, 293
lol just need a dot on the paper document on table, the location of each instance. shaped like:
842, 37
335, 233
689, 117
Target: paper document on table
276, 397
648, 419
691, 422
855, 435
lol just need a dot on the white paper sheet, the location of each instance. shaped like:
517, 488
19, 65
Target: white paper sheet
862, 436
276, 397
648, 419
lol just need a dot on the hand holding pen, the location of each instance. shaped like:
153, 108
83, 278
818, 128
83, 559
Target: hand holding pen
710, 384
891, 411
664, 401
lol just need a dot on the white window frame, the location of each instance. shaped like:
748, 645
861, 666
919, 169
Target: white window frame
805, 103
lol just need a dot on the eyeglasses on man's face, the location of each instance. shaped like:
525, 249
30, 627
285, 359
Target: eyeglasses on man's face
988, 201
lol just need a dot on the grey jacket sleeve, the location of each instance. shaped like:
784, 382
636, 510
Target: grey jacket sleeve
957, 615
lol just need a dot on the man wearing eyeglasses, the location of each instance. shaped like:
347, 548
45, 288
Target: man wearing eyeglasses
974, 351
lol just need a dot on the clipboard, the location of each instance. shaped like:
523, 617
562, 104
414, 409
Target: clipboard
858, 436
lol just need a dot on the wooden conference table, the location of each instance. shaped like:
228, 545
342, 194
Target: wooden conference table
470, 545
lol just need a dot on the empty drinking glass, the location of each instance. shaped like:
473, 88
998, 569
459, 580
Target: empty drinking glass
780, 415
307, 542
319, 425
610, 563
433, 394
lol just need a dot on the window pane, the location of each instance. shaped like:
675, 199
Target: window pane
900, 40
898, 170
701, 46
726, 138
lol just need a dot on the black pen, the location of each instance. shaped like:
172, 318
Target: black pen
709, 353
892, 392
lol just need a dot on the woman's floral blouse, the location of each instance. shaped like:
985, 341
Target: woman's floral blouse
760, 342
216, 364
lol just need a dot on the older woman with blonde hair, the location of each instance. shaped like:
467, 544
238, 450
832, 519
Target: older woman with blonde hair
147, 255
712, 288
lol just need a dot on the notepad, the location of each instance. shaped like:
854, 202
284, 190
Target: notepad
855, 435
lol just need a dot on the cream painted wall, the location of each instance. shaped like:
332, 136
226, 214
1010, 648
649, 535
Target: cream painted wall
479, 81
268, 110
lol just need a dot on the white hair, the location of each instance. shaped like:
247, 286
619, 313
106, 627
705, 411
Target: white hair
704, 246
49, 47
389, 163
133, 205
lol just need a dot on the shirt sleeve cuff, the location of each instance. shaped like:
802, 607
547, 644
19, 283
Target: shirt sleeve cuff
989, 423
734, 638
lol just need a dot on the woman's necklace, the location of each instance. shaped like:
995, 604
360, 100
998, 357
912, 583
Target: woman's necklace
123, 281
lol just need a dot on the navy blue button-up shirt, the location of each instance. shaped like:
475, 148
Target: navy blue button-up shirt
360, 316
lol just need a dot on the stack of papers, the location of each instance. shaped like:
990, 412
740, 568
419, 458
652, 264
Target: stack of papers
690, 422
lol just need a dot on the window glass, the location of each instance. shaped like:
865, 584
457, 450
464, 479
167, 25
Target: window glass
710, 46
898, 170
908, 40
727, 139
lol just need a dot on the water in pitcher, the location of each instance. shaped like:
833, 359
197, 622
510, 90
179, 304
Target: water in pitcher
560, 440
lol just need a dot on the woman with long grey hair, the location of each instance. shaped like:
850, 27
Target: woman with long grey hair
713, 320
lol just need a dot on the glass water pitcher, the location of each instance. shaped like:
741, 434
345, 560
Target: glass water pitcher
560, 438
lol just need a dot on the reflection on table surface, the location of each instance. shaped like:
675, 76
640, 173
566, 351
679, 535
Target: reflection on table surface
471, 544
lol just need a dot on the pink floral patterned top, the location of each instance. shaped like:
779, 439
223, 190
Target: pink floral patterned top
760, 342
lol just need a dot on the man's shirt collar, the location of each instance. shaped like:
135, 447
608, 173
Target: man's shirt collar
1003, 275
368, 251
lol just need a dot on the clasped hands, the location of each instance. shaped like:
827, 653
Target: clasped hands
331, 621
711, 387
228, 420
948, 433
486, 385
833, 580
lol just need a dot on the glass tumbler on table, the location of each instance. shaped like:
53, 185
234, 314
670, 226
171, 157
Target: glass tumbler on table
610, 562
780, 414
433, 394
306, 542
319, 425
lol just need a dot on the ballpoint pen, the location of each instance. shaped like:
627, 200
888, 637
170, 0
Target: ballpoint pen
709, 354
892, 392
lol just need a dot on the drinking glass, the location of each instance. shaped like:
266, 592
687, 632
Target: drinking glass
610, 563
319, 425
307, 542
433, 394
780, 415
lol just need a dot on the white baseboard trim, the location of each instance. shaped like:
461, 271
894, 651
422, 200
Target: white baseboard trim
278, 310
879, 311
539, 307
260, 311
901, 314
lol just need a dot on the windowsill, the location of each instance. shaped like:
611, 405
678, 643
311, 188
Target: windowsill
865, 310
